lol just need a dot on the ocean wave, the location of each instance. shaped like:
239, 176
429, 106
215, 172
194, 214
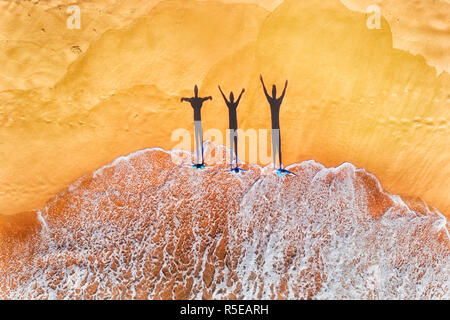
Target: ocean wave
146, 227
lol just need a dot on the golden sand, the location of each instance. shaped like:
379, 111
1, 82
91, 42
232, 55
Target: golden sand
73, 100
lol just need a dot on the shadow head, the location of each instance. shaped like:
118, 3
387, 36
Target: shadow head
196, 91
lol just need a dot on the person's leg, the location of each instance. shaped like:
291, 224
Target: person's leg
231, 147
201, 142
275, 145
279, 149
198, 141
236, 148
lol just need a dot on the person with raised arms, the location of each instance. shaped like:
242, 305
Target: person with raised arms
232, 106
197, 103
275, 105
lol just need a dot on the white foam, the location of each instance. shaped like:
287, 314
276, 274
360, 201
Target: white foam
313, 231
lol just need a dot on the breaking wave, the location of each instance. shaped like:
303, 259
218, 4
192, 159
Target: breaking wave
145, 227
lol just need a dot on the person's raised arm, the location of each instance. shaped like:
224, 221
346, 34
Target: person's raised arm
240, 96
264, 88
284, 91
223, 95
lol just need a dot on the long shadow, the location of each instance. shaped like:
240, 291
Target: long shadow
275, 105
197, 103
232, 106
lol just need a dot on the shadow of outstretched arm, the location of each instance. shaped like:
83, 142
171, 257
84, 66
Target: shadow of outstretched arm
240, 96
223, 95
264, 88
284, 90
